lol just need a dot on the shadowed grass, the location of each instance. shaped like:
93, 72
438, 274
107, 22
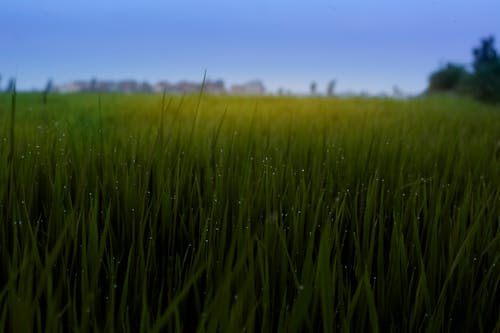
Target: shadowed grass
140, 213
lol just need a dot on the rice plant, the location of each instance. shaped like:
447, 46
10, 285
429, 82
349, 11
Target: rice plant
222, 214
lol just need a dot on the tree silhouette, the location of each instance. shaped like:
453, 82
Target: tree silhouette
447, 78
486, 83
49, 87
483, 83
11, 85
485, 54
313, 88
331, 88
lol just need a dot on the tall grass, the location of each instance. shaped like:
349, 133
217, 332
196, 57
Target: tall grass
140, 213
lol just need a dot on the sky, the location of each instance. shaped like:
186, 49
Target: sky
366, 46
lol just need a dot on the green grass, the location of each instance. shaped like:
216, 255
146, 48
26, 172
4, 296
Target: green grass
129, 213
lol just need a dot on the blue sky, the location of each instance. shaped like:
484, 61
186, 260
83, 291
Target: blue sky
365, 45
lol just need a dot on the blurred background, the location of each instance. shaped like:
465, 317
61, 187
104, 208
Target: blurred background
351, 46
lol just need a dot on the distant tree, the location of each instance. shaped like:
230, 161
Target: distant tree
397, 92
0, 82
330, 90
313, 88
483, 82
49, 87
448, 78
485, 54
486, 82
93, 85
11, 85
145, 87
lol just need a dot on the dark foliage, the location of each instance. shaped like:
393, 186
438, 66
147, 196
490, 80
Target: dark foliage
486, 71
447, 78
11, 85
484, 81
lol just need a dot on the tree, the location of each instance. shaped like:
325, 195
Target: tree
49, 87
486, 82
11, 85
313, 88
93, 85
485, 54
448, 78
330, 90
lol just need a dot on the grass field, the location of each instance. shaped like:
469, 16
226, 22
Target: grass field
226, 214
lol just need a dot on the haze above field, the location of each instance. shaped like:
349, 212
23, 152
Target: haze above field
365, 46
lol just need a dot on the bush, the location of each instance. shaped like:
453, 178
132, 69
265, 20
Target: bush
447, 78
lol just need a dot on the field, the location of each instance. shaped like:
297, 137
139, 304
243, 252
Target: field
226, 214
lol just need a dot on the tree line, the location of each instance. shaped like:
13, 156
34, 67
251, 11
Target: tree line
481, 80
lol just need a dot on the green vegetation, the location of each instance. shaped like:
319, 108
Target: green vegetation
219, 214
483, 83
